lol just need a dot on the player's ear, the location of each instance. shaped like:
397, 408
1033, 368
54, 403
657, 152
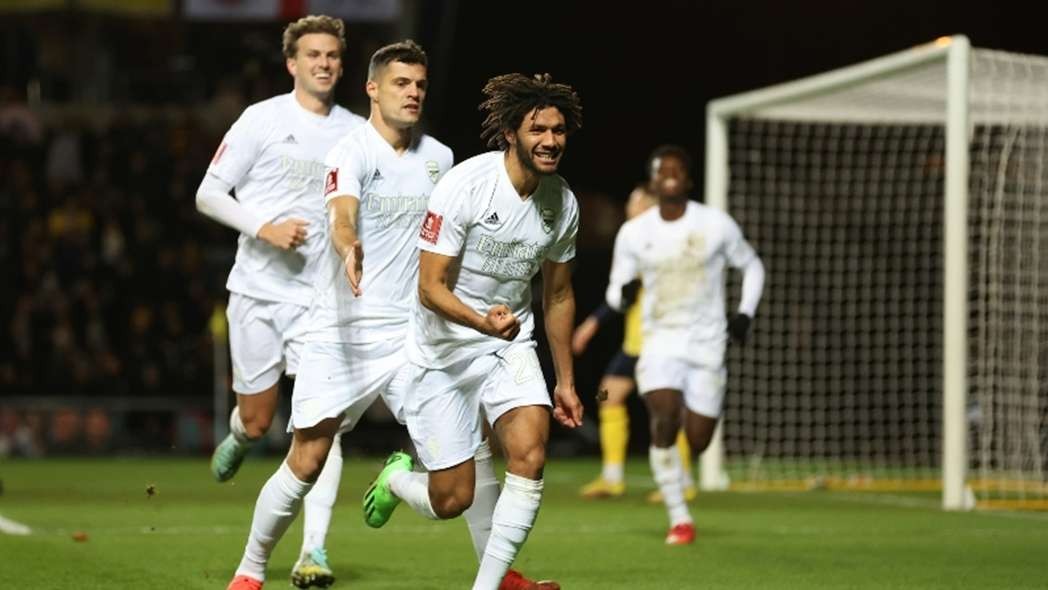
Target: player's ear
510, 136
371, 87
291, 65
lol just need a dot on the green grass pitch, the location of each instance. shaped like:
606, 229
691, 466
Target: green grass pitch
190, 534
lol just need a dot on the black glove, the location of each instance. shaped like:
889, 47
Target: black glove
739, 327
629, 293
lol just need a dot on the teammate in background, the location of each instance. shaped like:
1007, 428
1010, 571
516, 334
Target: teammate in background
678, 251
273, 156
492, 223
618, 381
378, 182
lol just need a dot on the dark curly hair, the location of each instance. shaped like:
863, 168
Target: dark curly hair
511, 96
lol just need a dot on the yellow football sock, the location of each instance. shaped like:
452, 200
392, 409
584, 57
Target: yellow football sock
614, 434
685, 455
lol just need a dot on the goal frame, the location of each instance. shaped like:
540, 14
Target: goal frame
955, 53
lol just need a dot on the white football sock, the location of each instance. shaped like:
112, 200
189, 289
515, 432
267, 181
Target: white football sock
514, 516
277, 505
665, 465
316, 508
237, 428
413, 488
485, 495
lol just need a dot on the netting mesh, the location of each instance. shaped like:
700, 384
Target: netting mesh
1008, 325
842, 195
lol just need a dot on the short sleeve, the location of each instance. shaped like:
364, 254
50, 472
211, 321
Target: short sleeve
239, 149
449, 161
563, 249
447, 219
346, 169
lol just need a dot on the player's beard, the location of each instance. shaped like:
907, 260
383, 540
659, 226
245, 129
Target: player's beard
524, 156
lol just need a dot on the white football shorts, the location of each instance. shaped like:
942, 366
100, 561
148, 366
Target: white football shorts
443, 406
345, 378
702, 386
265, 340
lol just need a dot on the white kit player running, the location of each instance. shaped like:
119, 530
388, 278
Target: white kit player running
378, 183
492, 223
384, 173
273, 157
678, 251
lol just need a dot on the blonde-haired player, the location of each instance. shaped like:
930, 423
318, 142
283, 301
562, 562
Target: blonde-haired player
273, 157
678, 251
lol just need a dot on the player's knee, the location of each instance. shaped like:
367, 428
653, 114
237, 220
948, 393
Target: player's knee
453, 503
664, 430
698, 446
528, 463
699, 439
306, 465
256, 424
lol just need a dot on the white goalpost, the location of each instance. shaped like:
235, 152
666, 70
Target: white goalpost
900, 206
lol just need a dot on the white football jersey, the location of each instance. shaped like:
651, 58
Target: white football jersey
681, 265
273, 155
499, 241
393, 190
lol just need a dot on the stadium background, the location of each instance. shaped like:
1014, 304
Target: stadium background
109, 113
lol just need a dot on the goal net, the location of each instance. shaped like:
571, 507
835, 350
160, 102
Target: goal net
901, 210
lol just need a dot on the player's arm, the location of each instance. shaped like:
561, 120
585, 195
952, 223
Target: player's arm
589, 327
742, 256
343, 211
624, 279
435, 295
232, 162
558, 304
752, 288
213, 199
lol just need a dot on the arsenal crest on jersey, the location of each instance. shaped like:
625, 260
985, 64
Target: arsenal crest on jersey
548, 216
434, 170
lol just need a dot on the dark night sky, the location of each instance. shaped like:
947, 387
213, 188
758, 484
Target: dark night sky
646, 72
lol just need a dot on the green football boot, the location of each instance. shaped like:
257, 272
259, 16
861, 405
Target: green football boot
227, 458
379, 500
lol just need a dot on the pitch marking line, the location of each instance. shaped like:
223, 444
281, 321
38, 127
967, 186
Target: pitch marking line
12, 527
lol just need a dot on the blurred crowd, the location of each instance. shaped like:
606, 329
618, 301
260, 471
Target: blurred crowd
112, 273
